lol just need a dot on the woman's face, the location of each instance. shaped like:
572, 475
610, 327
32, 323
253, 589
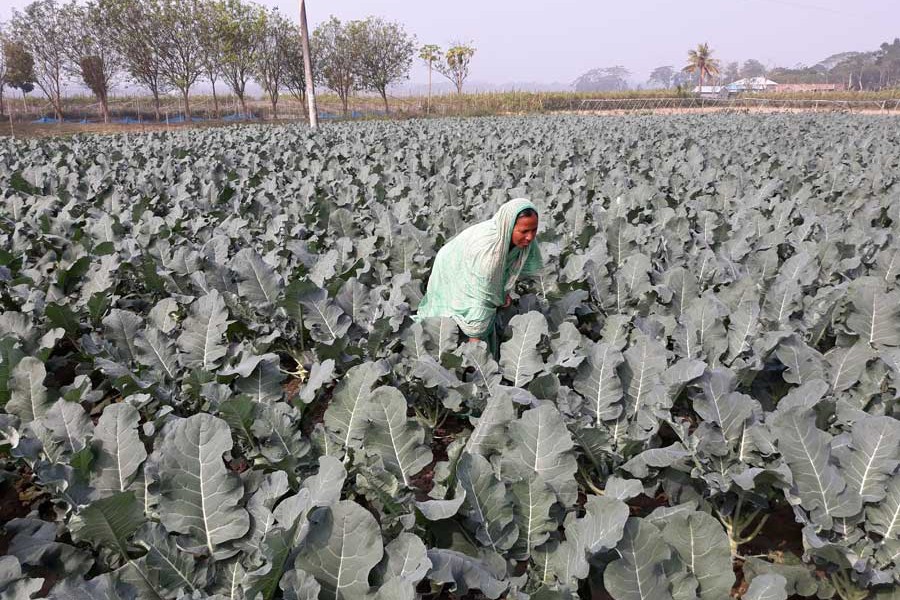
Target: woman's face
524, 231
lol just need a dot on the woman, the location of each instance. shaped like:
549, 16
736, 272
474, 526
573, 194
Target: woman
474, 272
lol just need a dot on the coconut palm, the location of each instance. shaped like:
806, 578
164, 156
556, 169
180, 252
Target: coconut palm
700, 60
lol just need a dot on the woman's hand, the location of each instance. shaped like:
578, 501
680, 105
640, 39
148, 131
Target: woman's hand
508, 301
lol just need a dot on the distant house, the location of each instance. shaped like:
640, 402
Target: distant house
710, 91
810, 87
751, 84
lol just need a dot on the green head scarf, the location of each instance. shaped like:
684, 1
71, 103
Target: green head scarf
473, 272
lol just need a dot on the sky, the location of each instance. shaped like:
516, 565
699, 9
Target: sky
521, 41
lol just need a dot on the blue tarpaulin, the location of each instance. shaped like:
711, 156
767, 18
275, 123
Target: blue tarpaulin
238, 117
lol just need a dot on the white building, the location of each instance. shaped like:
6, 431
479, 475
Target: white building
751, 84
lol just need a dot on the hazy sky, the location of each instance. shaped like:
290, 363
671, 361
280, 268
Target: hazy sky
534, 41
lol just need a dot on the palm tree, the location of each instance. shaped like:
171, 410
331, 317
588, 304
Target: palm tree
701, 61
429, 53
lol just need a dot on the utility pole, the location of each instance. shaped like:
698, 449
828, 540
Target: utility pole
307, 69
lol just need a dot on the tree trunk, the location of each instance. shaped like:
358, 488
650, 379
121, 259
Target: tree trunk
428, 103
187, 104
384, 97
240, 96
2, 106
104, 108
345, 102
274, 99
215, 98
156, 110
57, 107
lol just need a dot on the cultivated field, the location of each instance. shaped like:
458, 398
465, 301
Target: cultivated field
212, 386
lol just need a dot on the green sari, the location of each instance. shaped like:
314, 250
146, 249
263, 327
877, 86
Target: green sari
475, 270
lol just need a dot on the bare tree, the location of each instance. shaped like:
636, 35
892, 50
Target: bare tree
242, 30
41, 30
92, 50
182, 48
335, 58
272, 55
455, 65
140, 40
384, 55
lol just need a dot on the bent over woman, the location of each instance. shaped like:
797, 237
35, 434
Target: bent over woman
474, 272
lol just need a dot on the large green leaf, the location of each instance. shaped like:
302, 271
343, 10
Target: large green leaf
201, 339
486, 573
259, 283
397, 440
874, 458
343, 545
818, 483
532, 499
876, 313
641, 374
639, 574
520, 358
884, 518
488, 505
351, 402
542, 447
598, 382
27, 394
70, 427
110, 522
118, 450
599, 530
770, 586
703, 547
198, 496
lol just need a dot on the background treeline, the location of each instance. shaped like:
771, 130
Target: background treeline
166, 46
861, 71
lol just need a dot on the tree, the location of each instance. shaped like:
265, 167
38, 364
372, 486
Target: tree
700, 61
41, 29
242, 31
662, 76
430, 54
604, 79
92, 50
753, 68
335, 58
19, 66
273, 54
140, 39
455, 65
294, 68
182, 48
887, 59
384, 55
732, 72
211, 31
3, 70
